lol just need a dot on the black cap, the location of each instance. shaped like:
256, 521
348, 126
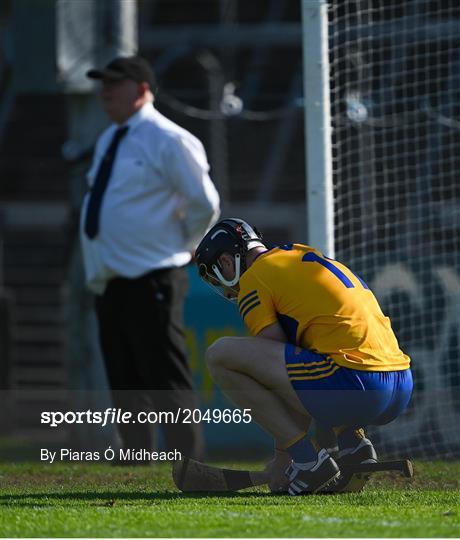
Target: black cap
135, 68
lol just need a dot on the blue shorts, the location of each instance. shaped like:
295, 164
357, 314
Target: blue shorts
336, 396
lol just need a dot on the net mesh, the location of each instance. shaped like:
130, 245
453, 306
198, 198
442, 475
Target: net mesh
395, 98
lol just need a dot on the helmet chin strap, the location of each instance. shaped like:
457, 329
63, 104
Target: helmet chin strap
235, 280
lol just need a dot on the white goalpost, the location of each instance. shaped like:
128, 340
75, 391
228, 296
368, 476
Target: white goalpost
318, 149
384, 159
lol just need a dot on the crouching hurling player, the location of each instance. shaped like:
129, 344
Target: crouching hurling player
322, 349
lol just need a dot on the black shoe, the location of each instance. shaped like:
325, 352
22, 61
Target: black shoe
306, 481
364, 452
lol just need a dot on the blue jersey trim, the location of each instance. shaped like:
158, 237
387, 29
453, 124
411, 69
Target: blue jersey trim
250, 308
252, 293
248, 302
312, 257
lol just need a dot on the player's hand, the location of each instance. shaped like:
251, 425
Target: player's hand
275, 468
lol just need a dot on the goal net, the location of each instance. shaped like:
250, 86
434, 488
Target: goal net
395, 100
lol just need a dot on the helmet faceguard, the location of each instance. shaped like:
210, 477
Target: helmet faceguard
233, 236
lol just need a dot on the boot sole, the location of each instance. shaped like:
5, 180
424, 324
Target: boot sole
327, 483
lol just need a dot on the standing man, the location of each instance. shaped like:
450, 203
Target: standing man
321, 348
150, 201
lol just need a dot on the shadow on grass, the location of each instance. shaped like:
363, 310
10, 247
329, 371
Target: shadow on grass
110, 498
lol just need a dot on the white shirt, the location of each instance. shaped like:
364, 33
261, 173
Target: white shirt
158, 204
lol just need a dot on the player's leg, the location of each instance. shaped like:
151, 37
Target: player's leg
252, 372
261, 359
273, 414
350, 408
337, 396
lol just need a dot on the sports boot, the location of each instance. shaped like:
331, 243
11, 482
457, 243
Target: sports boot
306, 479
363, 452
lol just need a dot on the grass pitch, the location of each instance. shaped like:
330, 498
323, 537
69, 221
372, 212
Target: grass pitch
104, 501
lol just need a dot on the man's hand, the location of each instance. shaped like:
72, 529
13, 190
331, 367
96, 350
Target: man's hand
276, 468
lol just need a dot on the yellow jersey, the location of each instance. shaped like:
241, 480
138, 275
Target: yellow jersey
322, 306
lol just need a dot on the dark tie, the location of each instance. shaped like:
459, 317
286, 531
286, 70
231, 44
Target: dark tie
101, 183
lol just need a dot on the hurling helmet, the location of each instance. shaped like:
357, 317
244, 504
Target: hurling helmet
233, 236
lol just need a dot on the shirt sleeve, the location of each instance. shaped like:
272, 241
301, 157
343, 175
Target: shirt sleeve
255, 303
188, 170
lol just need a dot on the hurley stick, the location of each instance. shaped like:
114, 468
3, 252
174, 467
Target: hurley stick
190, 475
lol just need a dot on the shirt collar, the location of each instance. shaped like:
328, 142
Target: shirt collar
144, 112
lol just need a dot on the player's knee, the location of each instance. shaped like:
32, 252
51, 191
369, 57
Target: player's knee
219, 353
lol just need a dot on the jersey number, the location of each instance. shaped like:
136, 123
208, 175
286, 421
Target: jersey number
328, 263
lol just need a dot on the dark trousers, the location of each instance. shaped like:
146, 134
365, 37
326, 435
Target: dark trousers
143, 344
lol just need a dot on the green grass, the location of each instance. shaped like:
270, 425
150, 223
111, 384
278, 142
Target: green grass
104, 501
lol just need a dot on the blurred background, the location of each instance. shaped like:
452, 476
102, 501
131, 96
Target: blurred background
228, 71
231, 72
